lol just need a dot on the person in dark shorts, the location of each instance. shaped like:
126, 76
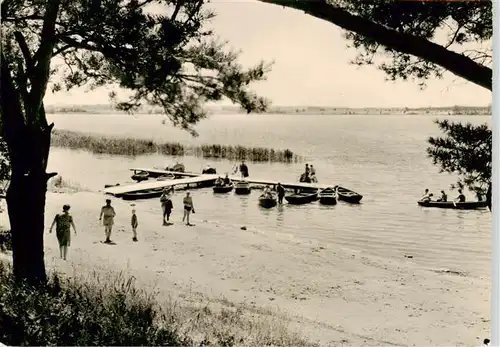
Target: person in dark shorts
281, 193
63, 222
166, 206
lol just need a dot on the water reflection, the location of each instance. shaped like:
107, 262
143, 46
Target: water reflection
280, 216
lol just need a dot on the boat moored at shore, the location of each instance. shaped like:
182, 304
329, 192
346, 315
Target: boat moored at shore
303, 197
348, 195
328, 196
242, 188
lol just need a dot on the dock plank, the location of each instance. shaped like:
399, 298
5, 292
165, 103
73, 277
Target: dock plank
157, 184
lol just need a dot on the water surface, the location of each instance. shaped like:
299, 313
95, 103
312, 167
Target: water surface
381, 157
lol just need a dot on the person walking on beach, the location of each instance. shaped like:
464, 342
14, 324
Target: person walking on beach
281, 193
63, 222
166, 206
135, 224
188, 207
107, 216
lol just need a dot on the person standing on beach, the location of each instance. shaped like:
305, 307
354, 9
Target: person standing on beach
188, 207
135, 224
63, 223
166, 206
107, 216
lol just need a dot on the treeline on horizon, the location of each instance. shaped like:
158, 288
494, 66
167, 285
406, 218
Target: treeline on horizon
448, 110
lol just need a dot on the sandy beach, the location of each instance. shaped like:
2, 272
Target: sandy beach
330, 295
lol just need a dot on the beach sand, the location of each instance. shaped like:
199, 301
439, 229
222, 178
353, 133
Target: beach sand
327, 294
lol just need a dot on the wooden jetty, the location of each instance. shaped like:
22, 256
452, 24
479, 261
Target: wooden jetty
198, 178
289, 185
137, 187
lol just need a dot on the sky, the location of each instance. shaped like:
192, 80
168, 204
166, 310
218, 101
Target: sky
311, 64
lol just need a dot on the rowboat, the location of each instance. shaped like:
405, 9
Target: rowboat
267, 201
209, 171
328, 197
223, 189
348, 195
140, 176
303, 197
242, 188
468, 205
145, 194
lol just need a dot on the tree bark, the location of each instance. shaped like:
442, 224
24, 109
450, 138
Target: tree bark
27, 134
26, 205
456, 63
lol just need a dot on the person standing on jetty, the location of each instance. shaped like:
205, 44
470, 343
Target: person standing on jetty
166, 206
281, 193
188, 207
244, 169
107, 216
63, 222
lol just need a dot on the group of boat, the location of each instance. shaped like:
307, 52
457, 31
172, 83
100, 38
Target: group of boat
327, 196
300, 195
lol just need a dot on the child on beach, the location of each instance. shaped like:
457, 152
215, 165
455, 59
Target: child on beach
134, 223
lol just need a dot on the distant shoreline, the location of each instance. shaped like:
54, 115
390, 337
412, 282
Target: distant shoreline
298, 110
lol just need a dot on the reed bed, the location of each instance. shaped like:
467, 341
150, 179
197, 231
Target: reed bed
132, 146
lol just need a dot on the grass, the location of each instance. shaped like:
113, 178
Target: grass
132, 146
96, 312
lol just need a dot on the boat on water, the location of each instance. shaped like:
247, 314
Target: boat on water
223, 189
166, 177
267, 200
208, 170
328, 196
305, 196
140, 176
467, 205
144, 194
242, 188
348, 195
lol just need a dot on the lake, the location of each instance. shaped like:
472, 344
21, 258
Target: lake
382, 157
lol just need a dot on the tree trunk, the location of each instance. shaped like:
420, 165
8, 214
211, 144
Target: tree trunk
26, 203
